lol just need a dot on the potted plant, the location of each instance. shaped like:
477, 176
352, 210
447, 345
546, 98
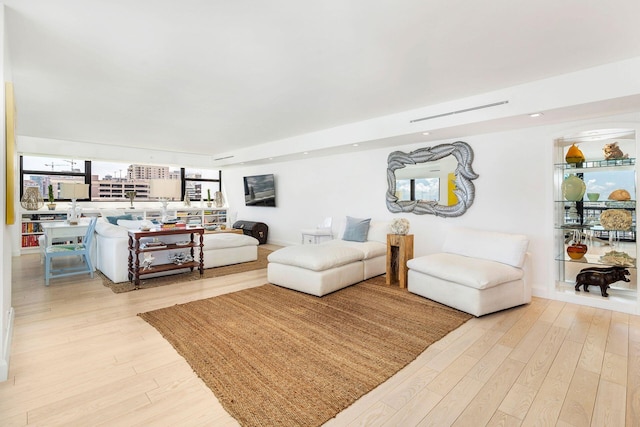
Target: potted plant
51, 205
208, 198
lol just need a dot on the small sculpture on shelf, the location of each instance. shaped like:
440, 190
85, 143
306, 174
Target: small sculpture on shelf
209, 203
147, 262
130, 195
51, 205
573, 188
180, 258
602, 277
620, 195
613, 152
574, 155
164, 203
400, 226
577, 248
219, 199
32, 199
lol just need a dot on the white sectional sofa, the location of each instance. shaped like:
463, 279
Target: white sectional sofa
112, 243
326, 267
478, 272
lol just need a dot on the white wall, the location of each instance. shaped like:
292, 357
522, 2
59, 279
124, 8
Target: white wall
514, 192
6, 311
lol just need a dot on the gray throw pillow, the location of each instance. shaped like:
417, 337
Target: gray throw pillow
356, 229
114, 219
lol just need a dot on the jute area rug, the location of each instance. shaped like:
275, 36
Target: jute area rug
277, 357
171, 279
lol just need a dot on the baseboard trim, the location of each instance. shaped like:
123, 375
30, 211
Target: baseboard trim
4, 362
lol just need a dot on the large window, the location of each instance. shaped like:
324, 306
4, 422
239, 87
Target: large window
201, 184
43, 171
112, 181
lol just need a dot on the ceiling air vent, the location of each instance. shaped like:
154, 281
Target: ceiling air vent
466, 110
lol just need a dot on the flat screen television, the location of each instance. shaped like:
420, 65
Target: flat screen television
260, 190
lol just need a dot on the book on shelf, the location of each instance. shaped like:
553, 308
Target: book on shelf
30, 241
31, 227
173, 226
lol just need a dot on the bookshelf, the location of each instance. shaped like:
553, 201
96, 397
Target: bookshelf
31, 229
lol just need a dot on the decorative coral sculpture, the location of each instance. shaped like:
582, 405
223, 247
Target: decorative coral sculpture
400, 226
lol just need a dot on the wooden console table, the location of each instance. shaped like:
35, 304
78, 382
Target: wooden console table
135, 250
399, 251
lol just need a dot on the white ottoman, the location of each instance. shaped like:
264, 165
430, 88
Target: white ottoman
315, 269
229, 248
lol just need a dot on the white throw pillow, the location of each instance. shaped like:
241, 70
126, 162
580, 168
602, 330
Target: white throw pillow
105, 229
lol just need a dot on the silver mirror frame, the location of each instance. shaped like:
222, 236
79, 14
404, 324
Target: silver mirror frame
465, 190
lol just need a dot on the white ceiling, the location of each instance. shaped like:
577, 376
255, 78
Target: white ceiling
210, 76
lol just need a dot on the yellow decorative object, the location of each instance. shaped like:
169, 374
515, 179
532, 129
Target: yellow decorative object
10, 153
574, 155
452, 199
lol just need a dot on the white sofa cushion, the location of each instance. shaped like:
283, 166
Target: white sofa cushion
378, 231
316, 257
501, 247
228, 240
369, 249
473, 272
106, 229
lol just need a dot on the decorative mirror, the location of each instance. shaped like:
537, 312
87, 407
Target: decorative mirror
432, 180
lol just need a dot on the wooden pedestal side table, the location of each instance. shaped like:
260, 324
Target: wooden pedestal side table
399, 251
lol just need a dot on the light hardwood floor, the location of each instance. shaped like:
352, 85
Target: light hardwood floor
81, 357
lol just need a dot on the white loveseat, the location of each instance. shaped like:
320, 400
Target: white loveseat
478, 272
326, 267
112, 244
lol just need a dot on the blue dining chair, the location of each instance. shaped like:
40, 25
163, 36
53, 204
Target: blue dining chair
82, 249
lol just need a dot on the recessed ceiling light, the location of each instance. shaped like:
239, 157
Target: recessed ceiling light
270, 158
536, 114
355, 145
426, 133
306, 152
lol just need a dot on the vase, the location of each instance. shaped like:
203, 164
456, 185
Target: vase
576, 250
219, 199
32, 199
573, 188
574, 155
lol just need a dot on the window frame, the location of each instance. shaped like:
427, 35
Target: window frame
86, 175
87, 180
